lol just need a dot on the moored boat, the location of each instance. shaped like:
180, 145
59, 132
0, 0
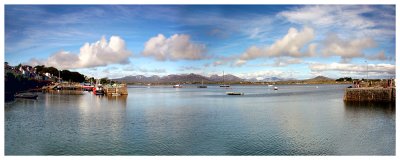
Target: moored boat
26, 95
223, 81
202, 85
98, 90
177, 86
275, 88
234, 93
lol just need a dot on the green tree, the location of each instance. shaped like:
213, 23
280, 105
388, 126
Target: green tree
40, 69
91, 79
104, 80
67, 75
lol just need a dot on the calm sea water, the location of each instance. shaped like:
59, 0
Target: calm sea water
295, 120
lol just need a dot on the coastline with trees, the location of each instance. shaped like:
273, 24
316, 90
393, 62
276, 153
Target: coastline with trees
24, 78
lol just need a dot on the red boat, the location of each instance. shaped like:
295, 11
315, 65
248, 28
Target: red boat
98, 90
87, 88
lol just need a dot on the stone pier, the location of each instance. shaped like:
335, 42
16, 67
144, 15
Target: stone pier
370, 94
120, 89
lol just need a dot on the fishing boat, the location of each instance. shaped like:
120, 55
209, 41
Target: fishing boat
98, 89
26, 95
234, 93
177, 86
223, 81
202, 85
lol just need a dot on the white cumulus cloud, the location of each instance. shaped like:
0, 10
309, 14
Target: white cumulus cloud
176, 47
346, 49
261, 74
100, 53
282, 62
360, 68
290, 45
379, 56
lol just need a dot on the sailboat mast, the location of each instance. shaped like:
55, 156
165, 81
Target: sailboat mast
223, 77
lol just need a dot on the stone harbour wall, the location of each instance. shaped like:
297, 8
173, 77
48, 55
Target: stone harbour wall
370, 94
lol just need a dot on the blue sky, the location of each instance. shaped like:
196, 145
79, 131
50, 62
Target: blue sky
250, 41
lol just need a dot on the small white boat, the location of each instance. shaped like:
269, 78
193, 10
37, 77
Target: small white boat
234, 93
275, 88
115, 94
177, 86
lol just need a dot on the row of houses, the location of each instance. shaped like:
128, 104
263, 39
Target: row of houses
29, 72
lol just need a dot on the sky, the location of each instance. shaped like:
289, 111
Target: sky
249, 41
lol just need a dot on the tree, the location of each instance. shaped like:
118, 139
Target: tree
18, 66
104, 80
40, 69
91, 79
67, 75
348, 79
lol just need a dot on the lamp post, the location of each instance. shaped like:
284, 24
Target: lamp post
367, 70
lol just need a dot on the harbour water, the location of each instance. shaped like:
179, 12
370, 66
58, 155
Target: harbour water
161, 120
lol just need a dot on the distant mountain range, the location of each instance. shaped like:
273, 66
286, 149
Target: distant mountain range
139, 79
191, 78
269, 79
175, 78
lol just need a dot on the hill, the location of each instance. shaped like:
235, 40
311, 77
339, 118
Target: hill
138, 79
226, 78
183, 78
179, 78
320, 78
